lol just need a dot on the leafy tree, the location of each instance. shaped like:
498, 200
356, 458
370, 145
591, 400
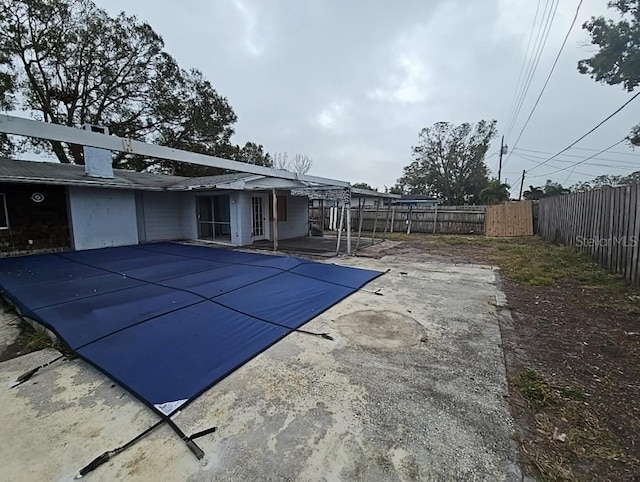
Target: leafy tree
299, 163
554, 189
632, 178
364, 185
73, 64
496, 192
6, 101
581, 186
253, 153
618, 59
533, 193
606, 180
449, 162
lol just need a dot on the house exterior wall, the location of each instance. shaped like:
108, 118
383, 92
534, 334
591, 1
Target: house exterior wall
297, 223
102, 217
164, 216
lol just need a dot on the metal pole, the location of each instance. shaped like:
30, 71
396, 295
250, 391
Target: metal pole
340, 230
410, 219
275, 220
386, 221
375, 221
322, 215
500, 163
393, 218
435, 219
360, 218
349, 228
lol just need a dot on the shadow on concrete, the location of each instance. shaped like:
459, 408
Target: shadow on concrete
315, 245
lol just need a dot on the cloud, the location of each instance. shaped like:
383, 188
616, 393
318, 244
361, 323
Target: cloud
252, 41
352, 83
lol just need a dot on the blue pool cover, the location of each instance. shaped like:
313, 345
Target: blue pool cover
166, 320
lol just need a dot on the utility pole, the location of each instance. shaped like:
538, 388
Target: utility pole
503, 150
521, 184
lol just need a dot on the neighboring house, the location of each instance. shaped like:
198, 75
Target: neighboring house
46, 205
416, 200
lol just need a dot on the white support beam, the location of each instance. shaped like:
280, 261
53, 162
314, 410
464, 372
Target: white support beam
42, 130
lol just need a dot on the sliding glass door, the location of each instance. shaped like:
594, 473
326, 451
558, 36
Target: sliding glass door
214, 217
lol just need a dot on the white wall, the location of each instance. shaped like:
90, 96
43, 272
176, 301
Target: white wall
102, 217
297, 223
165, 216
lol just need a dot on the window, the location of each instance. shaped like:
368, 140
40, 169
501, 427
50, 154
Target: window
4, 217
282, 207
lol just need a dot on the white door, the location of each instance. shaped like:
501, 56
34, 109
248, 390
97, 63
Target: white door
258, 216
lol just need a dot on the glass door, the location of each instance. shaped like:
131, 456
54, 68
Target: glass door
204, 212
257, 205
214, 217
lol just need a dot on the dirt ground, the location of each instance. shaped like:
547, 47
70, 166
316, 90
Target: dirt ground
572, 353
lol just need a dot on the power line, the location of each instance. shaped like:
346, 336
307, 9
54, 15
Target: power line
529, 60
617, 161
524, 62
546, 82
595, 164
579, 149
545, 35
590, 131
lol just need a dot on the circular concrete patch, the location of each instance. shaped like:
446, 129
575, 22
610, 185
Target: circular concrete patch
381, 329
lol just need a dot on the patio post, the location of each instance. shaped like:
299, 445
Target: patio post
349, 228
375, 221
386, 221
360, 219
340, 229
275, 220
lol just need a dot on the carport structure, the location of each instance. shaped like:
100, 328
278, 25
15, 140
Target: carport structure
168, 321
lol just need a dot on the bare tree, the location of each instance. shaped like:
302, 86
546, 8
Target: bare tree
281, 161
300, 163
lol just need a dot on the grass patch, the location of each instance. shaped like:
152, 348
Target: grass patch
528, 260
562, 408
38, 338
540, 392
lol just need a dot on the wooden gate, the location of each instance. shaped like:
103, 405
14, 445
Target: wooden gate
510, 219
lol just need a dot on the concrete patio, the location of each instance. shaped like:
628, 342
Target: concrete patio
412, 388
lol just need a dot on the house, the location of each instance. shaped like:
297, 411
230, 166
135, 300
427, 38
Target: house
46, 205
417, 200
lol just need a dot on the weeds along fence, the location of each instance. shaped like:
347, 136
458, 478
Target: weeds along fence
443, 220
604, 223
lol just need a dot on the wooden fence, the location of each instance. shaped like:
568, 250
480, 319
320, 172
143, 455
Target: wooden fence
443, 220
510, 219
604, 223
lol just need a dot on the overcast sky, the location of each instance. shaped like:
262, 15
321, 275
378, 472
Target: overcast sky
351, 83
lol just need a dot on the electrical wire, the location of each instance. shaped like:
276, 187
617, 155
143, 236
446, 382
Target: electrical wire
582, 155
608, 166
546, 82
537, 57
589, 132
618, 163
524, 62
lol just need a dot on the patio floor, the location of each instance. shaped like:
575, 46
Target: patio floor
316, 245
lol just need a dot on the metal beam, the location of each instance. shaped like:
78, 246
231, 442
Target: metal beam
54, 132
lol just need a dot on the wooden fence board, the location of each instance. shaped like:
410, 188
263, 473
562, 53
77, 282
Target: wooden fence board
510, 219
604, 223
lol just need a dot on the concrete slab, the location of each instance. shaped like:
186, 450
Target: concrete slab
324, 246
412, 388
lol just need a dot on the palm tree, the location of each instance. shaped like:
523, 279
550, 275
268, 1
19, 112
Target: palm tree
495, 193
533, 193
